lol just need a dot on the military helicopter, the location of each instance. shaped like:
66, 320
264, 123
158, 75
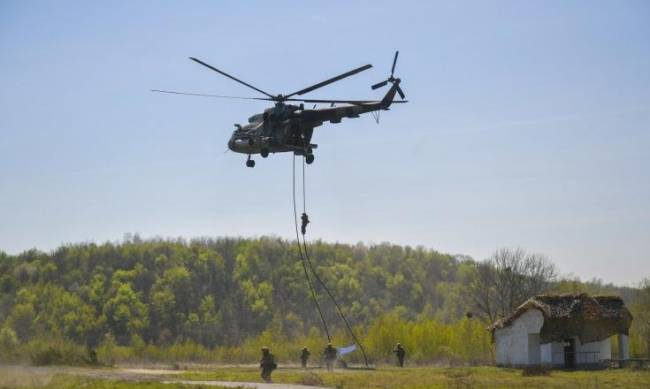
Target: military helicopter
289, 128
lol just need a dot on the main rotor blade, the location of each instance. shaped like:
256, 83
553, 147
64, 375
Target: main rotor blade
331, 80
231, 77
208, 95
323, 101
392, 70
355, 102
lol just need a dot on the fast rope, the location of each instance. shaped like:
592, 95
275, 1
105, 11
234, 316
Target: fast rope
302, 257
305, 220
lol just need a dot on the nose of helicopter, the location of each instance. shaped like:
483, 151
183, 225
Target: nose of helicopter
240, 144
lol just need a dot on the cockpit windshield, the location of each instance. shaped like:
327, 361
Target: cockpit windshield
255, 118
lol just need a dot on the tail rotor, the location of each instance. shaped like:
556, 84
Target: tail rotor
392, 79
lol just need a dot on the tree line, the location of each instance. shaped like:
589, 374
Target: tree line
227, 293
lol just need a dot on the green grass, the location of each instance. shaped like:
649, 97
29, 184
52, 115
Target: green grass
431, 377
72, 382
382, 378
17, 378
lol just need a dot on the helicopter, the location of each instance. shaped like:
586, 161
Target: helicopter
289, 127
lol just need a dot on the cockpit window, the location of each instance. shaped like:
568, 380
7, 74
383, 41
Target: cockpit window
255, 118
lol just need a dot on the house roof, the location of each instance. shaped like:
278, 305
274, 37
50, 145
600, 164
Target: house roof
590, 318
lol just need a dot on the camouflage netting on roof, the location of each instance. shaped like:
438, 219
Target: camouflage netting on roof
589, 318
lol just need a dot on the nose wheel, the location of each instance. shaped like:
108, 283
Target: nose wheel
250, 162
309, 158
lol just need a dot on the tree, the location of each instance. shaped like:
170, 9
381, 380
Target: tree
8, 339
125, 314
507, 279
641, 312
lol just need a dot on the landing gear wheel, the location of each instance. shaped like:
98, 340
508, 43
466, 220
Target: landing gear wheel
309, 158
250, 163
264, 153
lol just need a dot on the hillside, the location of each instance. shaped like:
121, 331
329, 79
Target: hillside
224, 292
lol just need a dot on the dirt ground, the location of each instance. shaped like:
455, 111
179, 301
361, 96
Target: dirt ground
34, 376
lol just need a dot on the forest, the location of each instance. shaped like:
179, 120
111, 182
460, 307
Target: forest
221, 299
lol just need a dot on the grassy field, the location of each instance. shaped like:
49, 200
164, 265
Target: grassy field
385, 377
432, 377
15, 377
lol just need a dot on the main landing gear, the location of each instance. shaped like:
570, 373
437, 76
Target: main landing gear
250, 162
309, 155
309, 158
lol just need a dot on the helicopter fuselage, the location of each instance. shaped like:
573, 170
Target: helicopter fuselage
276, 130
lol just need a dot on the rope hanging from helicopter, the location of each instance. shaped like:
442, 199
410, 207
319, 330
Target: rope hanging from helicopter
302, 247
376, 115
302, 257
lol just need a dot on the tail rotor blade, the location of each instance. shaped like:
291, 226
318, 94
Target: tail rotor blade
392, 70
401, 94
380, 84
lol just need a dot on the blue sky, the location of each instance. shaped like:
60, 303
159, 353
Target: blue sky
528, 125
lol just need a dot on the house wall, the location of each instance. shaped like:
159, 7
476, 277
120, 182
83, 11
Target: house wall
546, 354
590, 353
557, 349
511, 342
552, 354
586, 354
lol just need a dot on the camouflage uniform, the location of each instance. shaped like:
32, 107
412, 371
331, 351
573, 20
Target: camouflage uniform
305, 220
304, 356
401, 353
329, 354
267, 364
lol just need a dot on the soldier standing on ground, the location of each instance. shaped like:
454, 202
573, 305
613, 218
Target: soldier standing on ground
304, 356
267, 364
401, 353
329, 354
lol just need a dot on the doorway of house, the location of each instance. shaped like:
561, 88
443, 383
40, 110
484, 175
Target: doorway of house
569, 353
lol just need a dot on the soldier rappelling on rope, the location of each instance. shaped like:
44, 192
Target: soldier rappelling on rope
305, 220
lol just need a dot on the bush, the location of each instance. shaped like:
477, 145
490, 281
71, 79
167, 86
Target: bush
311, 379
57, 352
46, 356
8, 343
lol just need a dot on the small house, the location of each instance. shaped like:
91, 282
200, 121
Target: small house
568, 330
